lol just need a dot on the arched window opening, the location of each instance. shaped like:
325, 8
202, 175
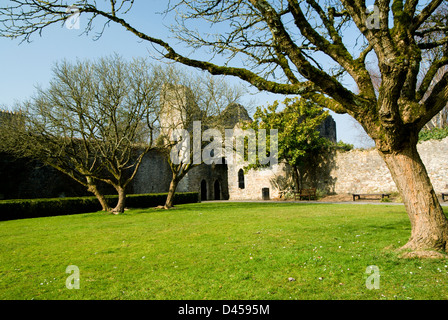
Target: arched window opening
241, 179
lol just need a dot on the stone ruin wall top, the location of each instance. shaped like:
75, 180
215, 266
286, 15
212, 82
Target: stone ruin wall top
364, 171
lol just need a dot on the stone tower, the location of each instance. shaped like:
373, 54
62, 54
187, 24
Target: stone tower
327, 129
178, 108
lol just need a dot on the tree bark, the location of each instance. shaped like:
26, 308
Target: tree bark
171, 193
119, 208
296, 177
91, 187
429, 224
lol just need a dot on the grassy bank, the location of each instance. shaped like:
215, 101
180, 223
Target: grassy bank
218, 251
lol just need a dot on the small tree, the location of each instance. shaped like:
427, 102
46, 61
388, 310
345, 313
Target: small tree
298, 137
94, 123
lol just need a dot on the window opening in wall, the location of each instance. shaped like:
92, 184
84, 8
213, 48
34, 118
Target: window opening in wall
241, 179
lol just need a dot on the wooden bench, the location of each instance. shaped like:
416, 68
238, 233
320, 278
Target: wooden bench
444, 195
367, 195
305, 193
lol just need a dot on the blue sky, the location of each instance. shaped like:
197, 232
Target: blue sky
23, 66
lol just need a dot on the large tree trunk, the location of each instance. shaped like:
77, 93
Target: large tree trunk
429, 224
91, 187
119, 208
171, 193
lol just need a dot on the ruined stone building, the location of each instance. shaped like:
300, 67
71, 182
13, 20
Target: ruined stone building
223, 181
356, 171
24, 178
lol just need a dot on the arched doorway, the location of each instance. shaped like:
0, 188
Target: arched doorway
217, 190
203, 190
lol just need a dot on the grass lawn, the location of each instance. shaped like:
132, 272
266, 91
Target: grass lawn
218, 251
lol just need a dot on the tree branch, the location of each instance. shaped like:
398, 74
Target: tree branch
434, 44
244, 74
425, 14
429, 77
436, 101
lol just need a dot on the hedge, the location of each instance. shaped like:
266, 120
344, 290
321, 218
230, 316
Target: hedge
34, 208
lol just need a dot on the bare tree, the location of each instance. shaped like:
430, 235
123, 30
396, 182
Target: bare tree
94, 123
301, 48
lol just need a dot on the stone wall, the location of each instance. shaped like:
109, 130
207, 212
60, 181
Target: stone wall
26, 178
277, 177
364, 171
211, 181
356, 171
154, 176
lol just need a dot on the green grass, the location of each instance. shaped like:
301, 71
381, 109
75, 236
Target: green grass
218, 251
